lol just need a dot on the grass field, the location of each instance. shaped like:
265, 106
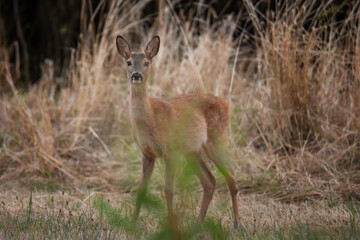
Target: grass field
69, 168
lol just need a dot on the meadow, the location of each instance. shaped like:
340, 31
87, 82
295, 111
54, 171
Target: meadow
69, 168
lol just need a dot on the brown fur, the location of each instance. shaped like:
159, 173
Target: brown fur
185, 124
206, 118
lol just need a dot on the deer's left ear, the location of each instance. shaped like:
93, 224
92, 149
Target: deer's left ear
152, 47
123, 47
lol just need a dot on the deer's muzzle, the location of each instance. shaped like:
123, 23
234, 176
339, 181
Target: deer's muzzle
136, 77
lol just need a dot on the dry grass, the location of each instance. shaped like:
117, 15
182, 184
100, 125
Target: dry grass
294, 129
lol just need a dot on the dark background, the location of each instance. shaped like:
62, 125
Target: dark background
50, 28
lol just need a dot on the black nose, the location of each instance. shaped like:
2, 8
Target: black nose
136, 76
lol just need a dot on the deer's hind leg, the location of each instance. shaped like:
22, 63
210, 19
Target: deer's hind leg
217, 153
207, 180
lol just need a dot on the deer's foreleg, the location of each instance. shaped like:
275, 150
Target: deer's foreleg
148, 167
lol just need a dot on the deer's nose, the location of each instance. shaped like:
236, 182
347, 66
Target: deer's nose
136, 76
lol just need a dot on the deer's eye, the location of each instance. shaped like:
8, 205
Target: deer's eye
146, 64
128, 63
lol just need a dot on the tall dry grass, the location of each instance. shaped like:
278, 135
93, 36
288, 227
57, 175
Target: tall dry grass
294, 92
310, 107
65, 125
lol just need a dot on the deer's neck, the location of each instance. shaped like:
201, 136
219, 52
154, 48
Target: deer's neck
140, 105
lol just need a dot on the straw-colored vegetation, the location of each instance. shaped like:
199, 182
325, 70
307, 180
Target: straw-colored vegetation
294, 90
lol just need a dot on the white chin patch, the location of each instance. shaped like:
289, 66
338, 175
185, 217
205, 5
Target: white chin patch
136, 81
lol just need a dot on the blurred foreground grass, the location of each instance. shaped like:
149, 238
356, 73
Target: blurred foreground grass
101, 220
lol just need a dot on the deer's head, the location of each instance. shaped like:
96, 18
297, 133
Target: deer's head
137, 62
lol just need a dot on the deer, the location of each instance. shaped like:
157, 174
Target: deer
188, 124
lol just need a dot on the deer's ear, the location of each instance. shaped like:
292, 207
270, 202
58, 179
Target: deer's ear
153, 47
123, 47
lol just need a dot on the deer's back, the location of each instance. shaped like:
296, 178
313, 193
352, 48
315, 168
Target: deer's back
198, 117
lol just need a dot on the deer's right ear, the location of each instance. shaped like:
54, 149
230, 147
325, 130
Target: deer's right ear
153, 47
123, 47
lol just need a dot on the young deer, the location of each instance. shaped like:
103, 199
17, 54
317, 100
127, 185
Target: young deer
166, 127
